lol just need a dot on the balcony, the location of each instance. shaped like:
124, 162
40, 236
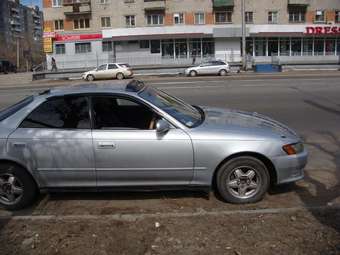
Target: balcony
16, 10
299, 2
72, 2
77, 10
154, 5
223, 3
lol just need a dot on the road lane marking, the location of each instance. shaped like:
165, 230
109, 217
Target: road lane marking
141, 216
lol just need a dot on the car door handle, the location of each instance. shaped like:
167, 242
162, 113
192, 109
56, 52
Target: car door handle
106, 145
19, 145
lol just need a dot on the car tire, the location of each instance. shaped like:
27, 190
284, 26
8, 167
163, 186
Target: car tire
192, 73
90, 77
223, 72
120, 76
17, 187
243, 180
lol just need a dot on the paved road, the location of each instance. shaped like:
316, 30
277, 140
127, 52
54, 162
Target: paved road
310, 105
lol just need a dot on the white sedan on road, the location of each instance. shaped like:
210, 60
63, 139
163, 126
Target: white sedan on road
109, 71
215, 67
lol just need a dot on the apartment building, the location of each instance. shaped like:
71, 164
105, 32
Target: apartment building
21, 30
86, 33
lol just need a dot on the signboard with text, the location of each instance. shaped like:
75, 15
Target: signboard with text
78, 37
323, 30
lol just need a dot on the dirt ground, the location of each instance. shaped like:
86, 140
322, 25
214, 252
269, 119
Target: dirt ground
301, 232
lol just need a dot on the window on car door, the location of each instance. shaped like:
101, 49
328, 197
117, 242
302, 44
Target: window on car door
56, 140
61, 113
121, 113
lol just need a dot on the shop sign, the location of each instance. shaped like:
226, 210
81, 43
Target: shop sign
49, 35
78, 37
324, 30
48, 45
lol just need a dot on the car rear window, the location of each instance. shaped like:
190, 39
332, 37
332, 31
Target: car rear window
4, 114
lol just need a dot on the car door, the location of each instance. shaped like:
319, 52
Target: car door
112, 70
129, 151
205, 68
55, 139
101, 72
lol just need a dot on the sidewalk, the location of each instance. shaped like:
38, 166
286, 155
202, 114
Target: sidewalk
24, 80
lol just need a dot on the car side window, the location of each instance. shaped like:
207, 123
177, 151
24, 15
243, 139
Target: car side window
110, 113
101, 68
112, 66
69, 112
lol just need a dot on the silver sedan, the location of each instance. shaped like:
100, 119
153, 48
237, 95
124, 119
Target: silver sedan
130, 135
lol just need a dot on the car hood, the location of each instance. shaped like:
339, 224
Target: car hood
250, 122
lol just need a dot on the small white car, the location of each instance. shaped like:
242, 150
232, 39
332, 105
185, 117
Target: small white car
109, 71
215, 67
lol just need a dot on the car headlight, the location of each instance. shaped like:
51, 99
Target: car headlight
294, 148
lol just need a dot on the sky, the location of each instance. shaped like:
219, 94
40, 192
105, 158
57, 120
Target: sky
31, 2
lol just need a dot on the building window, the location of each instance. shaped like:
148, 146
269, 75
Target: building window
307, 46
59, 24
199, 18
223, 17
178, 18
319, 16
337, 16
60, 49
249, 17
107, 46
155, 46
129, 1
155, 19
144, 44
297, 16
106, 21
208, 47
130, 21
284, 46
272, 17
260, 46
56, 3
296, 46
81, 23
104, 1
83, 48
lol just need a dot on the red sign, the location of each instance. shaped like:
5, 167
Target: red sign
49, 35
79, 37
326, 30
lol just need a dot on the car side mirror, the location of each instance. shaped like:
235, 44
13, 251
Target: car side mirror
162, 126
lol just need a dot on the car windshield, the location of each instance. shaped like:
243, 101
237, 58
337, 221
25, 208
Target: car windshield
186, 114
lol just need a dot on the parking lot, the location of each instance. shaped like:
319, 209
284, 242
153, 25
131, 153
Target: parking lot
292, 219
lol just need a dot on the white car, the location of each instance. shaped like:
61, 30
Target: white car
109, 71
215, 67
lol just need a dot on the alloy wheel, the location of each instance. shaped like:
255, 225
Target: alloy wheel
244, 182
11, 189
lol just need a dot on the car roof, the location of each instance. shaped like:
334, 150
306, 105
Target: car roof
123, 87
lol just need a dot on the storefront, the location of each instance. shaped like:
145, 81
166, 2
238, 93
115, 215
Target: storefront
294, 43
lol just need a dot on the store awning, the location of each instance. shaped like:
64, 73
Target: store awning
223, 3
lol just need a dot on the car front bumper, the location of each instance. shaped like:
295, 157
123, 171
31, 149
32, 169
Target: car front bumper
290, 168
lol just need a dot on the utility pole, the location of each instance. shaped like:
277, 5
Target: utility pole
244, 57
18, 54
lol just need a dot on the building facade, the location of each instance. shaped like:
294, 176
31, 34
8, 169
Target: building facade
86, 33
21, 30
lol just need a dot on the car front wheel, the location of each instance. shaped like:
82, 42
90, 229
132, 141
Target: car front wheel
90, 77
243, 180
193, 73
17, 188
